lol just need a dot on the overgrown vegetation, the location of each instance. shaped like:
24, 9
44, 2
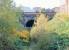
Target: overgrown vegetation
53, 35
46, 35
10, 28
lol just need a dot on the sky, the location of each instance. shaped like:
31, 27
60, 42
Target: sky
39, 3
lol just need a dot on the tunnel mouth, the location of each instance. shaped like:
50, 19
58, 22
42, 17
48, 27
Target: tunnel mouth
30, 23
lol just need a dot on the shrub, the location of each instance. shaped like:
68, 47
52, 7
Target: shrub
45, 41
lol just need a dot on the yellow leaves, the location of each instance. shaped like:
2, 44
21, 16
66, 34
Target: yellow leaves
62, 16
23, 34
41, 24
59, 23
41, 21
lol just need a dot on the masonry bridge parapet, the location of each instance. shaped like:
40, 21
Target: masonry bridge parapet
30, 17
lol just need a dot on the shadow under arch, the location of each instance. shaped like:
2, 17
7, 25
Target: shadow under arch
29, 23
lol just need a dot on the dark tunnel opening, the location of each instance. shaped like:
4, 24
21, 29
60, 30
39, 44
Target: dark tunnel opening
30, 23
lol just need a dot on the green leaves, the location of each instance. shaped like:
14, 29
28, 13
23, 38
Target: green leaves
47, 39
9, 25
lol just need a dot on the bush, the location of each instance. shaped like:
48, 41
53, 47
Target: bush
44, 41
9, 26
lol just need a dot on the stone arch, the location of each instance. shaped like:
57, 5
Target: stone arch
30, 23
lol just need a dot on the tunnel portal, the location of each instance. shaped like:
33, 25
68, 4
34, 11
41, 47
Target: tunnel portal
30, 23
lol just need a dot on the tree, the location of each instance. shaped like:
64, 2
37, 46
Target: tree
10, 14
59, 23
40, 24
9, 25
